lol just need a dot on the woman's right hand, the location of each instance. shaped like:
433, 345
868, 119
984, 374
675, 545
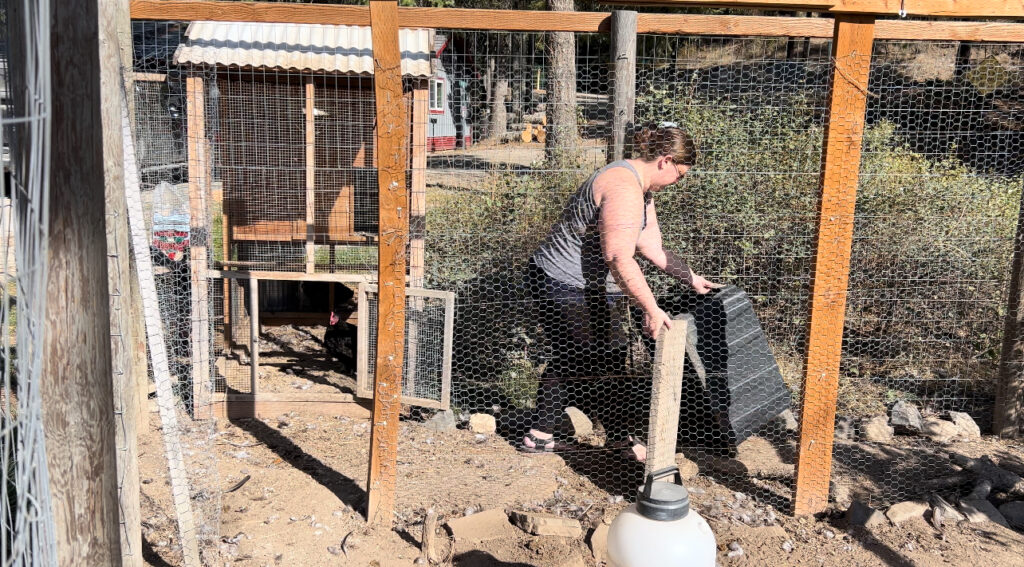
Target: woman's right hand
653, 321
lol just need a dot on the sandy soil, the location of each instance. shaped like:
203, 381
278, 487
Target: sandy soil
306, 491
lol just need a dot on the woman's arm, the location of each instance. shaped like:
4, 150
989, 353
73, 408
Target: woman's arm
620, 223
651, 247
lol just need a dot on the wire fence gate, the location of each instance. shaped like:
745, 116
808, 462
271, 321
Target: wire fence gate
859, 196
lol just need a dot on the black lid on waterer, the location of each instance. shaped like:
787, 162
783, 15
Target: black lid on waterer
663, 501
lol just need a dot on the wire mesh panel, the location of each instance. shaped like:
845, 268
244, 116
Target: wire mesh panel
26, 514
936, 213
427, 358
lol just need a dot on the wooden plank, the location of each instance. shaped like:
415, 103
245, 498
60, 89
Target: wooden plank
938, 8
666, 394
254, 336
289, 276
1008, 415
310, 177
623, 53
684, 24
418, 191
241, 406
285, 231
394, 231
851, 54
198, 237
446, 360
149, 77
452, 18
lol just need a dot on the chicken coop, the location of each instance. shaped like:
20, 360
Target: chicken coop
283, 179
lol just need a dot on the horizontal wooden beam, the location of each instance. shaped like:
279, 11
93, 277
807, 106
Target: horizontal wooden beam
938, 8
240, 406
452, 18
688, 24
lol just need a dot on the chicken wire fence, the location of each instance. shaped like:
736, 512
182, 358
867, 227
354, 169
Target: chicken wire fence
495, 155
26, 516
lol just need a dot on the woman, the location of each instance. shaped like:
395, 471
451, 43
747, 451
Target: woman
588, 261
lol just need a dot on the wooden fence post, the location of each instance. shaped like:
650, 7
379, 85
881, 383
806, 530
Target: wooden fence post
199, 233
623, 32
1008, 418
76, 385
666, 393
851, 57
392, 117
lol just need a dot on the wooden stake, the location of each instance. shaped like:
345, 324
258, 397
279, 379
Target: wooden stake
851, 55
75, 381
623, 81
310, 178
394, 233
254, 336
666, 393
198, 240
1008, 417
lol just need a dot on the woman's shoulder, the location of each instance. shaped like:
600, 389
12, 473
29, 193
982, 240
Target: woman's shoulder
615, 179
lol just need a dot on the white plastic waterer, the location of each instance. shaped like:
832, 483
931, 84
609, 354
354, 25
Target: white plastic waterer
660, 529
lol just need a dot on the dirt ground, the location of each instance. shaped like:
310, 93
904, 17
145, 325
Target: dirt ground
303, 499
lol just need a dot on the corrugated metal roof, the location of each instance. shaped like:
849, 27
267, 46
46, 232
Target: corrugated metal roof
298, 47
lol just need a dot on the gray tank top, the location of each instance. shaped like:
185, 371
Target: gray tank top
571, 253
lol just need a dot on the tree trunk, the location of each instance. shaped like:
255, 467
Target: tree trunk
563, 138
489, 92
798, 47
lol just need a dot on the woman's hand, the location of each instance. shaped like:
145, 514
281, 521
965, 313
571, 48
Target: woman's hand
702, 286
653, 320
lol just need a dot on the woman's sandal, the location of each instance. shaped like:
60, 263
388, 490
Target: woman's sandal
539, 445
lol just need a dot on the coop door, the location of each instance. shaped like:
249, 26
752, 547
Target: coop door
427, 364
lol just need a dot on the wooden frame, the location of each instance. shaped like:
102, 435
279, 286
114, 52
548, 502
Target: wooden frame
585, 22
364, 386
198, 190
241, 406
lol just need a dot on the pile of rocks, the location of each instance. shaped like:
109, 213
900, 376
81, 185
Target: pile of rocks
906, 419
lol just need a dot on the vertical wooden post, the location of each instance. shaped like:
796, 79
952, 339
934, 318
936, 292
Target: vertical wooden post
394, 233
418, 191
623, 31
851, 56
198, 241
1008, 417
666, 394
77, 392
254, 335
310, 179
128, 351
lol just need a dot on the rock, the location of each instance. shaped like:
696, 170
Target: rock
862, 515
905, 418
909, 510
1014, 514
985, 469
441, 421
574, 560
484, 526
965, 423
581, 424
546, 524
943, 512
846, 429
876, 430
841, 495
788, 421
940, 430
687, 468
787, 546
599, 543
482, 423
980, 511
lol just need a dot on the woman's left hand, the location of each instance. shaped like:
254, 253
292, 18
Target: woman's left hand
702, 286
